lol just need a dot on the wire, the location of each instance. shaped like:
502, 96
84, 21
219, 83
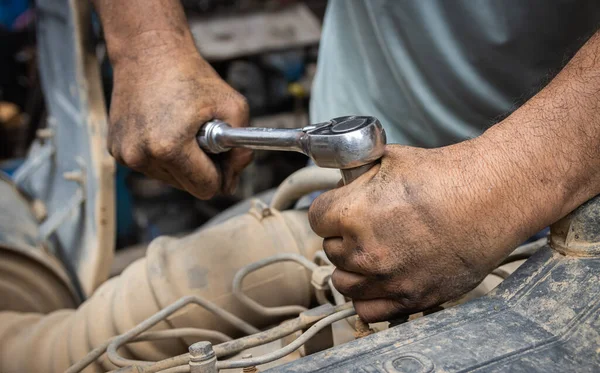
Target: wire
254, 305
122, 339
297, 343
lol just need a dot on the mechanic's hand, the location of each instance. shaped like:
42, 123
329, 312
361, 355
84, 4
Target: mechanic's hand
156, 111
422, 228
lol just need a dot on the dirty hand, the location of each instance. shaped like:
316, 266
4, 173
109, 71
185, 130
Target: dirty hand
422, 228
157, 108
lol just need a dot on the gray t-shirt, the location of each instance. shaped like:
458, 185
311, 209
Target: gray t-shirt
436, 72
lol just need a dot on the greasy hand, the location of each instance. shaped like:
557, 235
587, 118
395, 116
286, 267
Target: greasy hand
422, 228
157, 108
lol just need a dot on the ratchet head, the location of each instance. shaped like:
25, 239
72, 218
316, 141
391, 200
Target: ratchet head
345, 142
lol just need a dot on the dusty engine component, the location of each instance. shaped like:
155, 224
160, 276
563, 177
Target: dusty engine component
544, 318
201, 266
301, 183
30, 279
222, 282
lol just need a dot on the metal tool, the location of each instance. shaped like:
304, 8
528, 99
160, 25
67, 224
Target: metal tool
352, 143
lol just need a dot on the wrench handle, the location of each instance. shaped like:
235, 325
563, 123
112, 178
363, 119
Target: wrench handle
217, 136
351, 174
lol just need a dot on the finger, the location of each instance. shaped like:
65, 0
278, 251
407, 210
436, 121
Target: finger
350, 255
324, 214
136, 158
235, 162
161, 174
341, 253
233, 109
333, 247
194, 170
376, 310
357, 286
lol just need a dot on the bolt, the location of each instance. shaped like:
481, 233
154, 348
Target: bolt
201, 351
250, 369
202, 358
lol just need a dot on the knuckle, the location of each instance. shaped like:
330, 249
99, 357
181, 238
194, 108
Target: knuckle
163, 147
241, 103
350, 216
132, 157
112, 150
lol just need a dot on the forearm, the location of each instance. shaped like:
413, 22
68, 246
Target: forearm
546, 156
141, 31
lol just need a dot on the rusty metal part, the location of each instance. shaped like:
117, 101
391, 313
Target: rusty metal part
31, 280
361, 328
302, 182
202, 264
250, 369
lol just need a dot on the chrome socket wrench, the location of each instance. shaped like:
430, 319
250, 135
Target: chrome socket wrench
352, 144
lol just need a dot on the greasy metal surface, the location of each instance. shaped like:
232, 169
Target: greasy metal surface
202, 264
84, 233
544, 318
344, 142
31, 280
